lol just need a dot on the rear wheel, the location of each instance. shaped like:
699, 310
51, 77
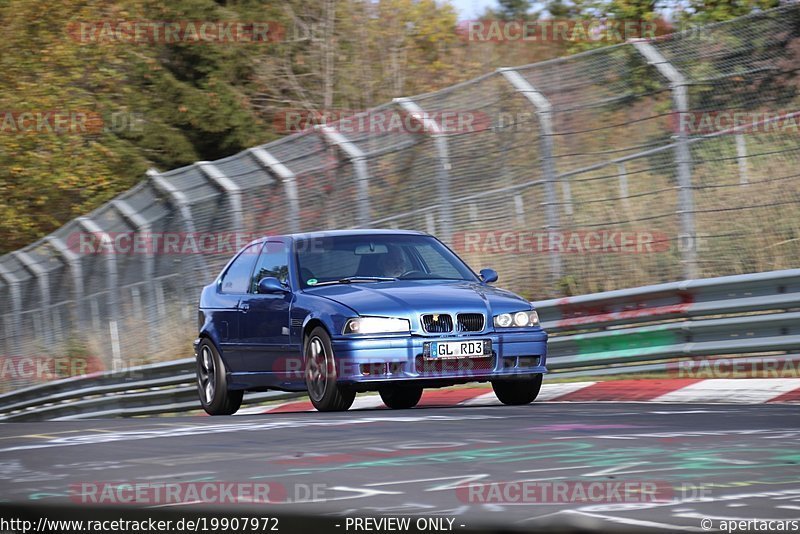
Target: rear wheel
401, 398
325, 394
212, 383
517, 391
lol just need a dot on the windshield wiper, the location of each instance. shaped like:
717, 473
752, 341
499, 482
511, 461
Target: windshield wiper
356, 279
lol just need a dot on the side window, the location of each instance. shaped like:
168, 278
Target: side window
236, 277
273, 261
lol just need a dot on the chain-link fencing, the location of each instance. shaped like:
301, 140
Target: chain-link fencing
634, 164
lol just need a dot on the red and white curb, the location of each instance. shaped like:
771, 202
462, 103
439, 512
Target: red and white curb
679, 390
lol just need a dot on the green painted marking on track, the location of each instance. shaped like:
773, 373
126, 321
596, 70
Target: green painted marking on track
567, 453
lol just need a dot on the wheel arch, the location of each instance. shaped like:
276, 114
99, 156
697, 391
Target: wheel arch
311, 324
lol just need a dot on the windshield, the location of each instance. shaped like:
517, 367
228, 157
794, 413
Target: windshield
376, 258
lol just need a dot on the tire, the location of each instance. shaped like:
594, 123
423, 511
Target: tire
401, 398
320, 371
517, 391
212, 382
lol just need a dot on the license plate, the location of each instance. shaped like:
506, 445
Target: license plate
460, 349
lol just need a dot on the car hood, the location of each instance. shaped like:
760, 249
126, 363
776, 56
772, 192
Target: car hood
405, 298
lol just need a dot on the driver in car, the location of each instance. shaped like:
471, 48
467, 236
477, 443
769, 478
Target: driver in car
393, 263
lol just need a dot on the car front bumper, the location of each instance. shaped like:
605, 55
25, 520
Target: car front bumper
365, 360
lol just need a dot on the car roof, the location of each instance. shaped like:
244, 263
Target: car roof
355, 232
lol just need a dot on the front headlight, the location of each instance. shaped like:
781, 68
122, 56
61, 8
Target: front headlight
518, 319
376, 325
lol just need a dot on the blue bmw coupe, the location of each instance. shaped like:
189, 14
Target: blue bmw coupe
335, 313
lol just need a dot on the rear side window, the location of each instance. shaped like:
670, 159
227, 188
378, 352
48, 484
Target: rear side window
236, 278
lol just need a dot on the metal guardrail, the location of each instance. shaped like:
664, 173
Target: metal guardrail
731, 315
615, 332
159, 388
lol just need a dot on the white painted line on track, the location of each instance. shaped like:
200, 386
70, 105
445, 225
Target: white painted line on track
732, 390
553, 391
637, 522
367, 402
486, 399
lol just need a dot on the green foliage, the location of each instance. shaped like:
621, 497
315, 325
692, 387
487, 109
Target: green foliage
514, 9
160, 105
708, 11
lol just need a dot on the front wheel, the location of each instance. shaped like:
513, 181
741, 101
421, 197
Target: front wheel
212, 383
517, 391
325, 394
401, 398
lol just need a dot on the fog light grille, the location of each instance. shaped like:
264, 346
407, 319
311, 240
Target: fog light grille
528, 361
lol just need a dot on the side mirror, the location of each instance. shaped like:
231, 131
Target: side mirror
488, 275
270, 284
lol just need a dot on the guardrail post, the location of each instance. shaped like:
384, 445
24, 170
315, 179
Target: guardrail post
73, 261
41, 322
16, 309
227, 186
683, 153
443, 179
181, 203
289, 180
112, 297
544, 111
359, 161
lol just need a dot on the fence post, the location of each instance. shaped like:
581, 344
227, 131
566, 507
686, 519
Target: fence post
289, 180
443, 179
73, 260
42, 281
179, 201
227, 186
359, 161
683, 153
142, 226
112, 300
623, 184
16, 308
544, 114
741, 158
